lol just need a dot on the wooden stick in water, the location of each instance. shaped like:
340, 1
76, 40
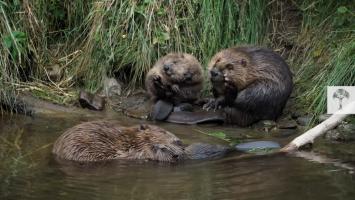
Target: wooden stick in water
320, 129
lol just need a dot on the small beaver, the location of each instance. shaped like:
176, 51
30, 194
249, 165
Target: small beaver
176, 78
251, 83
106, 140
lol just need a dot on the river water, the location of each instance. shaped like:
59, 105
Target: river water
28, 170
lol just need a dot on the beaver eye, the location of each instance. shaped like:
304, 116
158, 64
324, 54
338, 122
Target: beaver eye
229, 66
178, 142
243, 62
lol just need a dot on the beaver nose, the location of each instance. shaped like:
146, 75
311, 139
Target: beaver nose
188, 76
214, 72
166, 67
175, 156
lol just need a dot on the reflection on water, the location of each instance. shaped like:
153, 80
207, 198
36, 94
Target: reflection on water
28, 171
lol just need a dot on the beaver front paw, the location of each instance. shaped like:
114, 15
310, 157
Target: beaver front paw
214, 104
159, 86
157, 80
175, 88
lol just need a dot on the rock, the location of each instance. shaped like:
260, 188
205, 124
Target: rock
343, 133
304, 120
350, 128
111, 87
298, 113
347, 132
265, 125
91, 101
323, 117
161, 110
333, 135
286, 124
256, 146
137, 105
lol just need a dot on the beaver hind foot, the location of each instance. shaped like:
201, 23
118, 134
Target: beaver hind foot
161, 110
199, 151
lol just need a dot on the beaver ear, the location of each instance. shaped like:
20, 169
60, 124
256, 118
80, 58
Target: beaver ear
143, 127
243, 62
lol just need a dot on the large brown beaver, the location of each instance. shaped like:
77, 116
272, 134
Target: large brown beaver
107, 140
176, 78
250, 83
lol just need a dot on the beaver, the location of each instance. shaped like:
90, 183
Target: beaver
107, 140
176, 78
250, 83
103, 140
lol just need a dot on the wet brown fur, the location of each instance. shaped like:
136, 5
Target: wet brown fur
251, 83
174, 86
107, 140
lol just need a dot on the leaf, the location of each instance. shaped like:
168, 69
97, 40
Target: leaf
19, 36
15, 43
219, 135
342, 9
8, 42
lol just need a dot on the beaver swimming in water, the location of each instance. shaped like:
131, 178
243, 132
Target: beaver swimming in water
250, 83
107, 140
176, 78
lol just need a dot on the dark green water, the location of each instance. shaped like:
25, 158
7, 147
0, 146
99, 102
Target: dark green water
28, 171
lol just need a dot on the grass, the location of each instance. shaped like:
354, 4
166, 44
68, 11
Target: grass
96, 38
327, 59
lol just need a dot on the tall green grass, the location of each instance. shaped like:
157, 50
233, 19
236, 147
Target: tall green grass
123, 38
326, 51
94, 39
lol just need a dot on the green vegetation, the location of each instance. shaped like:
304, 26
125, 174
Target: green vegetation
222, 136
328, 55
87, 40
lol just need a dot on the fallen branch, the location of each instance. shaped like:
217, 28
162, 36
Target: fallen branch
320, 129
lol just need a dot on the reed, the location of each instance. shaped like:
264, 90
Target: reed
88, 40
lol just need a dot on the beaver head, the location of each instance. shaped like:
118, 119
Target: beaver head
180, 68
232, 65
157, 144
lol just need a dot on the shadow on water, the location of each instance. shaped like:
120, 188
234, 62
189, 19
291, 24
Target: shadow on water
29, 171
